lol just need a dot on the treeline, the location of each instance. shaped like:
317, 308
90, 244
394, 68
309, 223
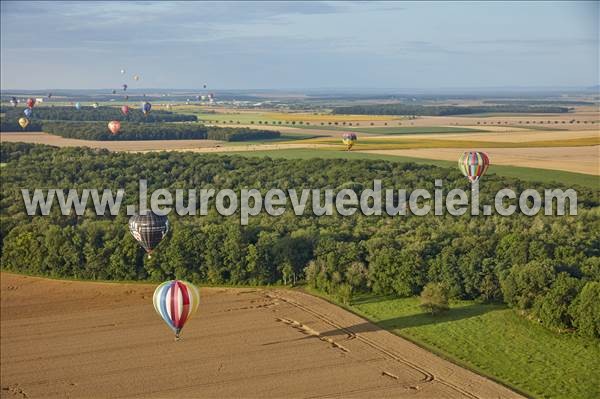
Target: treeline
548, 267
154, 131
538, 102
88, 113
442, 110
12, 125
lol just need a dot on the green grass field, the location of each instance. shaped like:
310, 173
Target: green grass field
527, 174
392, 143
390, 130
495, 341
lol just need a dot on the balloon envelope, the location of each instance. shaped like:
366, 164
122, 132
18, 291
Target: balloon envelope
473, 164
114, 126
125, 109
149, 229
28, 112
136, 77
349, 139
23, 122
146, 107
30, 102
176, 301
122, 72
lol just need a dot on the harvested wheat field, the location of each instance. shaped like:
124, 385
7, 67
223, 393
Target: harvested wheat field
84, 339
584, 159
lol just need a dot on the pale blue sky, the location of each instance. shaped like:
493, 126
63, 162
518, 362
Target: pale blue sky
274, 45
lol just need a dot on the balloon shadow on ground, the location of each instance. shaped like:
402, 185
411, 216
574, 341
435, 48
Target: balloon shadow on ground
417, 320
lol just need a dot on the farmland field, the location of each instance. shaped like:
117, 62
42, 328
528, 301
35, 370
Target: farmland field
84, 338
495, 340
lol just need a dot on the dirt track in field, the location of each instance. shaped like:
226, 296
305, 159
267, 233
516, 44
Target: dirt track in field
572, 159
79, 339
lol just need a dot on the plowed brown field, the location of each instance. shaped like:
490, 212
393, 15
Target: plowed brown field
83, 339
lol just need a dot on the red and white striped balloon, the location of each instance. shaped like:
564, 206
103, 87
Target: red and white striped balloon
176, 301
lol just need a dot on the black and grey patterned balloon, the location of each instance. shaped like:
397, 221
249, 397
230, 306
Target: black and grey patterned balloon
149, 229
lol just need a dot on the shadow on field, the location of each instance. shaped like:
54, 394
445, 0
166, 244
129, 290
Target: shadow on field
418, 320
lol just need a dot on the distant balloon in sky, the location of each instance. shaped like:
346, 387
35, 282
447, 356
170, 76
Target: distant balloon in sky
136, 77
146, 107
176, 301
28, 112
204, 86
122, 72
13, 101
114, 127
349, 139
30, 102
473, 164
125, 109
124, 87
23, 122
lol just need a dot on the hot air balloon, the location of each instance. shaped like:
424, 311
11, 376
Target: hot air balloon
136, 77
114, 126
30, 102
204, 86
23, 122
146, 107
125, 109
349, 139
13, 101
95, 105
149, 229
176, 301
473, 164
124, 87
122, 72
77, 106
28, 112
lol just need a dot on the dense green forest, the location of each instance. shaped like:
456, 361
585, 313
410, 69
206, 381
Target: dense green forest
12, 125
443, 110
98, 114
548, 267
142, 131
155, 131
